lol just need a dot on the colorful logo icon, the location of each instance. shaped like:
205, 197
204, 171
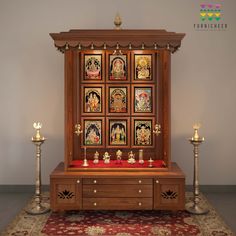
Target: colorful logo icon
210, 12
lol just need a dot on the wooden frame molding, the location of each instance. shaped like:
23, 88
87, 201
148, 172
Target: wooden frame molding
107, 39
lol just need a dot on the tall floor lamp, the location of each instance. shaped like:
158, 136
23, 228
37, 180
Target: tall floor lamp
195, 207
36, 208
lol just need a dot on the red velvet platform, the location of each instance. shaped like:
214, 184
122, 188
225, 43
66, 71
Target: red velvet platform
114, 164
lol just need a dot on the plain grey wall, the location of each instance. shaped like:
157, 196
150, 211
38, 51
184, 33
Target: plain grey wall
31, 80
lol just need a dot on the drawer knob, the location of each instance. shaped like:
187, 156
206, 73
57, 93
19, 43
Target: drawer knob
140, 181
140, 203
157, 182
94, 190
78, 181
95, 204
140, 191
95, 181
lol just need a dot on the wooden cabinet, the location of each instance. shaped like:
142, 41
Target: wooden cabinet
169, 193
119, 191
117, 99
66, 194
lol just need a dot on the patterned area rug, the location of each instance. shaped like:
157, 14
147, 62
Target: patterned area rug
119, 223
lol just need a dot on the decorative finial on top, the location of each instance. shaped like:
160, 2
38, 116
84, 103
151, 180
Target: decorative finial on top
37, 125
37, 137
196, 126
117, 22
196, 136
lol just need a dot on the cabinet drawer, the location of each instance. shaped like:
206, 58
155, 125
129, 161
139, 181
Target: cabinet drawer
117, 181
117, 190
117, 203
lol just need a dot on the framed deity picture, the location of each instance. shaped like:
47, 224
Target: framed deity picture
117, 67
92, 99
118, 134
92, 64
118, 100
142, 132
93, 132
142, 66
143, 100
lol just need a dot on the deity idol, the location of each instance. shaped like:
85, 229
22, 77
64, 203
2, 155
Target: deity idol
118, 135
143, 136
92, 137
93, 68
93, 104
143, 68
143, 102
118, 69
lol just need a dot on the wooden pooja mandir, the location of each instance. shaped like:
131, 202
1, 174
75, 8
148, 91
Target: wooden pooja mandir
117, 122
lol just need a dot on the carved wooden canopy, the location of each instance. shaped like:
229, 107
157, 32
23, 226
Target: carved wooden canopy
117, 39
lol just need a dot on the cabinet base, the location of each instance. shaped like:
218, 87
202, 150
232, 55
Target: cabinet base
124, 190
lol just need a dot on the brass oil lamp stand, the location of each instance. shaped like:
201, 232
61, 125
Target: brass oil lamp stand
37, 208
195, 207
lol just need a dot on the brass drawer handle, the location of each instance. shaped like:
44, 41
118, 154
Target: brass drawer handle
139, 191
157, 182
95, 181
140, 181
95, 204
140, 203
94, 190
78, 181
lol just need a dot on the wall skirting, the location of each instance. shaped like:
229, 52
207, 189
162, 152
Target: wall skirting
203, 188
214, 188
21, 188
